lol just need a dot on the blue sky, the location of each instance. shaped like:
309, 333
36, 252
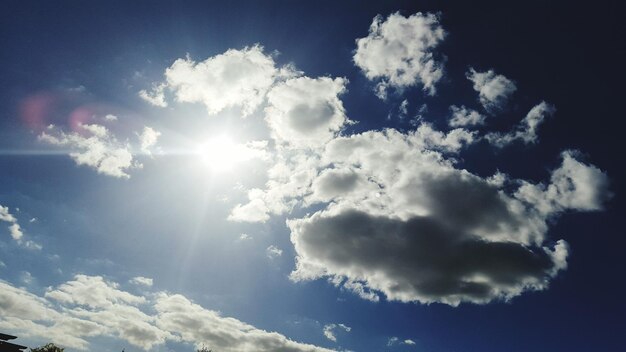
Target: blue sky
292, 176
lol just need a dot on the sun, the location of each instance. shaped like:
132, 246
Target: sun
220, 153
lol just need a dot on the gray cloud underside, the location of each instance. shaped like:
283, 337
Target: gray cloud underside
422, 258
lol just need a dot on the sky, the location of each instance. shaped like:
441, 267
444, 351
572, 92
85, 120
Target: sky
312, 176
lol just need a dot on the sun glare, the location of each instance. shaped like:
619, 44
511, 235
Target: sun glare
221, 153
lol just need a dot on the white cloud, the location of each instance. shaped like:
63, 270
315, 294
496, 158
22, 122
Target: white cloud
273, 252
526, 131
94, 146
74, 312
395, 340
110, 117
156, 96
358, 288
5, 215
300, 177
398, 52
404, 108
236, 78
399, 219
31, 245
434, 233
573, 185
253, 211
493, 90
26, 278
93, 292
306, 112
205, 327
290, 176
148, 139
462, 116
425, 136
15, 230
34, 316
142, 281
330, 330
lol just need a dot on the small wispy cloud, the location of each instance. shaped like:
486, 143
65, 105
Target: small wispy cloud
273, 252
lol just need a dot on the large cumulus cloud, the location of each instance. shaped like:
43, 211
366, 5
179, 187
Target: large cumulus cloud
433, 233
401, 219
420, 259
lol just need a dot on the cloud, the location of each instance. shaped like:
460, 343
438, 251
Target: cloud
26, 278
392, 341
31, 245
148, 139
156, 96
6, 216
403, 109
425, 136
273, 252
395, 340
236, 78
526, 131
493, 90
253, 211
300, 177
330, 330
94, 146
462, 116
305, 111
434, 233
15, 230
143, 281
420, 259
110, 117
290, 178
93, 292
90, 306
205, 327
334, 183
396, 217
399, 52
574, 185
28, 314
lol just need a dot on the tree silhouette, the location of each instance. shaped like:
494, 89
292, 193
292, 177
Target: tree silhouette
48, 348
